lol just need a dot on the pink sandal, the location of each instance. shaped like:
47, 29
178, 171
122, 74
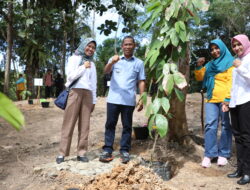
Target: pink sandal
206, 163
222, 161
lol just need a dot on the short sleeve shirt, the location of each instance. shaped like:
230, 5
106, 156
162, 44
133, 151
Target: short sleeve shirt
125, 75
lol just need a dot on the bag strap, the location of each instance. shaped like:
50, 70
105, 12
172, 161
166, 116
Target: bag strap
74, 82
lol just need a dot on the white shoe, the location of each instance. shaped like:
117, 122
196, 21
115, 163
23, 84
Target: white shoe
222, 161
206, 162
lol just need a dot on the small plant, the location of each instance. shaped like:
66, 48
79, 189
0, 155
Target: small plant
43, 100
25, 94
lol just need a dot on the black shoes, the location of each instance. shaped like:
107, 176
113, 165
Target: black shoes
125, 157
235, 174
59, 159
244, 180
106, 157
82, 158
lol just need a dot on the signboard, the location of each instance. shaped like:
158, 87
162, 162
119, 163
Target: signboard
38, 82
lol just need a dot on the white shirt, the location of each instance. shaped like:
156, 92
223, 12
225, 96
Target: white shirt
240, 92
88, 79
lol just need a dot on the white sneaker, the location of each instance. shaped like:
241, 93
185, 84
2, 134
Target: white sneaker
206, 162
222, 161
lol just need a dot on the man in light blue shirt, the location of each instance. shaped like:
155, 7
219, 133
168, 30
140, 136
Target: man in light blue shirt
127, 72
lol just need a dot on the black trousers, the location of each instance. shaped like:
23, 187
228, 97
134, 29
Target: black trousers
113, 112
48, 91
240, 117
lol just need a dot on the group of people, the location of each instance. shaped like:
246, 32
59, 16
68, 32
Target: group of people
226, 80
49, 82
227, 83
127, 73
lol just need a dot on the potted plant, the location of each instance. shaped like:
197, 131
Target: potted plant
26, 95
44, 103
141, 132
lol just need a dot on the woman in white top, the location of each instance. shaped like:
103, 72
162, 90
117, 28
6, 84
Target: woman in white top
239, 107
81, 99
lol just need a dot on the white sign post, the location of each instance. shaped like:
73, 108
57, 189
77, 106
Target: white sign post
38, 82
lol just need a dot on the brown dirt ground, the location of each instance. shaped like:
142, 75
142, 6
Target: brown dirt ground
38, 142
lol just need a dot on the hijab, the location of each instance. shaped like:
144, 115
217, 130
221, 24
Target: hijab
216, 66
80, 50
243, 39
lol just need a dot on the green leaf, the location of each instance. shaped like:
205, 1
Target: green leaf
173, 68
183, 35
157, 12
148, 110
169, 11
177, 27
182, 25
166, 42
180, 80
156, 105
197, 19
161, 123
156, 45
179, 94
10, 112
168, 84
166, 69
174, 38
153, 58
147, 23
161, 76
144, 97
164, 29
151, 123
153, 6
165, 104
149, 54
177, 8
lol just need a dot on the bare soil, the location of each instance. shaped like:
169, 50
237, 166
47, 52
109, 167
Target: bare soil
37, 144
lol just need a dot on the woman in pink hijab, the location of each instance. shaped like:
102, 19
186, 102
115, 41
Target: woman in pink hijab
239, 107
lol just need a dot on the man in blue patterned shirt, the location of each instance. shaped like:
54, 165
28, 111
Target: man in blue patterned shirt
127, 72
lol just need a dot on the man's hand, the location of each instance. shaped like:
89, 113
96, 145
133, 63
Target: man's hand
139, 106
237, 63
115, 59
87, 64
108, 67
200, 61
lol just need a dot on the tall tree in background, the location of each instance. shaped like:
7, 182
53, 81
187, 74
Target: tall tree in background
9, 47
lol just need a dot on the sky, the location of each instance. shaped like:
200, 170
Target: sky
100, 20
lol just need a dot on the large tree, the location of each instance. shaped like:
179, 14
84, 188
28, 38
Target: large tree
169, 52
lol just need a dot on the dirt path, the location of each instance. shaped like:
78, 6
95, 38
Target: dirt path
37, 144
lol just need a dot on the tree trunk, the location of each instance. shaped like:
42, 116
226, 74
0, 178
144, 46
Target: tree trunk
72, 43
178, 128
65, 35
9, 47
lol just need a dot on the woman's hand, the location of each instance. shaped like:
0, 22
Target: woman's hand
87, 64
237, 63
225, 107
200, 61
